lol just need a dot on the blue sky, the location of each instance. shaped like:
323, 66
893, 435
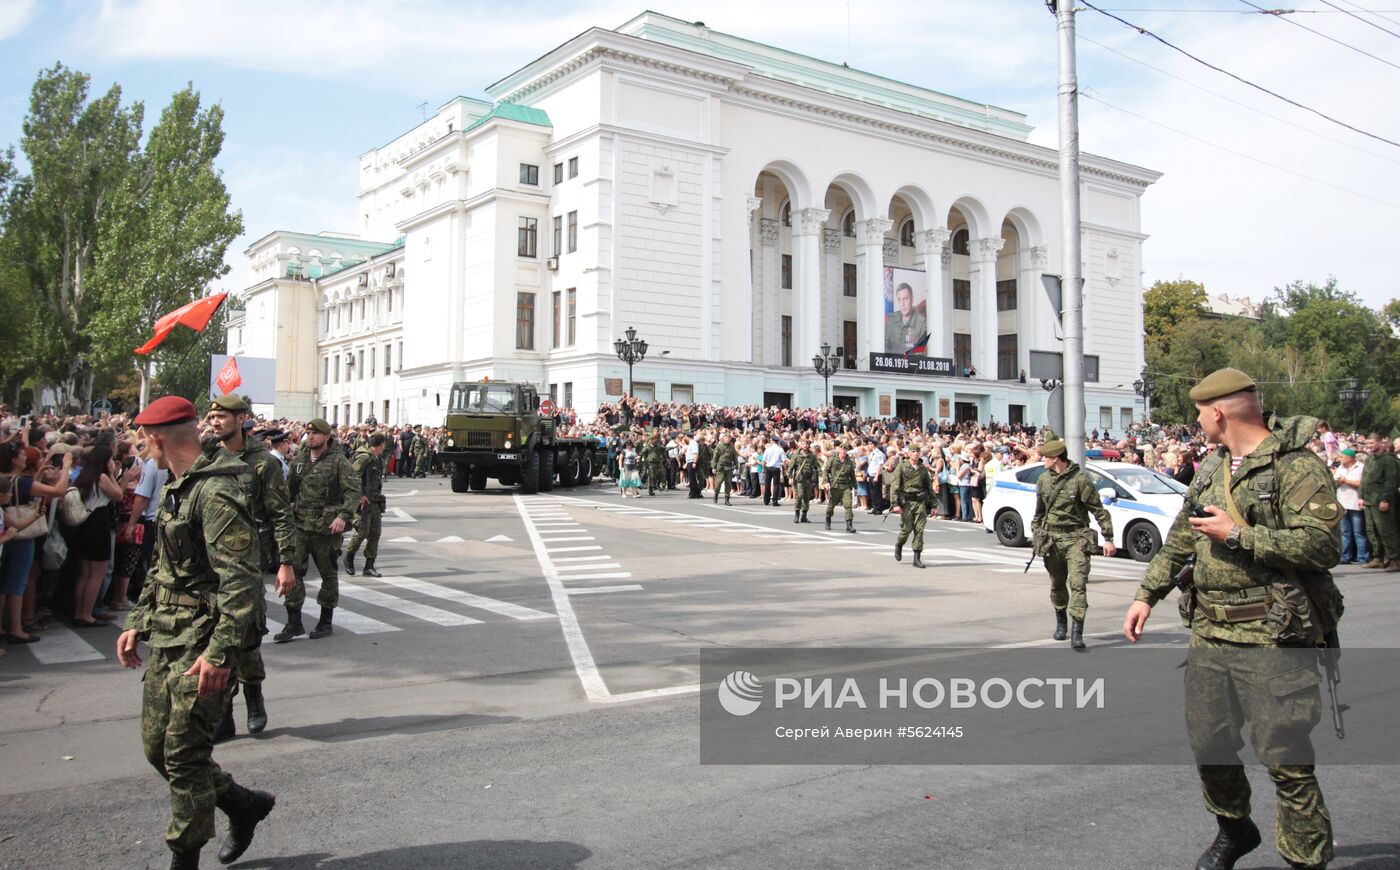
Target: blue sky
308, 87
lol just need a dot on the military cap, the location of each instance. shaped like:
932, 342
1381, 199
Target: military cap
229, 402
1052, 448
1221, 383
319, 425
166, 411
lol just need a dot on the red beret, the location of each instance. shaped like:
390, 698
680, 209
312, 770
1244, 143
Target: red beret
167, 411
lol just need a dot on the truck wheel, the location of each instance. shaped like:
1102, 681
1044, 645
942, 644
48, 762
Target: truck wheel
585, 467
530, 474
546, 477
460, 476
478, 480
568, 470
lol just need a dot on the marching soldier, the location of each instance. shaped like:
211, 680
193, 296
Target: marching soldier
325, 494
419, 453
266, 490
196, 610
726, 460
654, 460
1263, 556
841, 475
369, 471
911, 490
1064, 498
802, 468
1378, 500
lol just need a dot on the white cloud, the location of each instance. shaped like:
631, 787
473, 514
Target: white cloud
14, 16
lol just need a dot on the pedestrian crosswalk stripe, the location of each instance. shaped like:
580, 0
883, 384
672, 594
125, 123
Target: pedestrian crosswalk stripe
402, 541
62, 645
352, 622
594, 590
620, 575
447, 593
581, 558
557, 540
424, 612
571, 549
450, 539
593, 566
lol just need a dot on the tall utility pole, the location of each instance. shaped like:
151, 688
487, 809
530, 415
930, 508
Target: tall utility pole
1072, 285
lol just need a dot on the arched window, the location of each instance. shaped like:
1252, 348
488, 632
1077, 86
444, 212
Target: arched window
906, 233
785, 213
848, 224
961, 242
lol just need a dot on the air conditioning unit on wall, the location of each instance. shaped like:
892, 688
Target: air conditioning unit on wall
552, 264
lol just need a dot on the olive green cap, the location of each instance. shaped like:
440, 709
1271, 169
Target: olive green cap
230, 402
1052, 448
1221, 383
319, 425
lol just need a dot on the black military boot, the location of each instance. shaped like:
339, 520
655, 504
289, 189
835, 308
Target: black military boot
350, 562
851, 526
898, 551
804, 517
828, 524
796, 515
1076, 634
726, 500
226, 728
1236, 838
918, 562
185, 860
370, 570
292, 628
257, 711
245, 807
1061, 625
323, 625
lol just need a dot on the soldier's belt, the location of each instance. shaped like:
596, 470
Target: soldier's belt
1251, 595
166, 595
1065, 530
1236, 613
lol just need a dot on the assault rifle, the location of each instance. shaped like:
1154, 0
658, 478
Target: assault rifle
1331, 666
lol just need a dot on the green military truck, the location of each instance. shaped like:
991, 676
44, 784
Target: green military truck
500, 429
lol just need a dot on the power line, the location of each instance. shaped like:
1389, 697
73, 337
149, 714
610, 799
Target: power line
1145, 32
1241, 103
1363, 20
1087, 94
1332, 39
1240, 12
1379, 13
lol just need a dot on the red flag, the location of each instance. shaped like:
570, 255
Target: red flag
228, 379
196, 315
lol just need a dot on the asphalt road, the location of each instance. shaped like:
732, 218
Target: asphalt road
521, 690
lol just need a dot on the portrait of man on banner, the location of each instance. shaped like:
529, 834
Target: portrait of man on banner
906, 312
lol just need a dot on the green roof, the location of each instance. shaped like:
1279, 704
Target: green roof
514, 112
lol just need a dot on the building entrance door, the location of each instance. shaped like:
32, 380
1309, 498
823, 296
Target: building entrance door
965, 412
909, 410
781, 400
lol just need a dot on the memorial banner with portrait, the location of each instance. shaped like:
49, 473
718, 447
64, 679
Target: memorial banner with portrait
906, 312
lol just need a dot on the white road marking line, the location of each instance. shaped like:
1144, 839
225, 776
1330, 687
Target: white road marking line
457, 596
572, 549
62, 645
593, 567
557, 540
581, 558
605, 589
401, 541
498, 539
399, 516
618, 575
355, 623
450, 539
546, 525
424, 612
587, 670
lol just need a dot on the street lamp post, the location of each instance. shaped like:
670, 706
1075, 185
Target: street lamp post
826, 363
1143, 387
1354, 397
630, 350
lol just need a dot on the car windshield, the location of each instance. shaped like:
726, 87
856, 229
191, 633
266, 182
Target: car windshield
487, 398
1149, 482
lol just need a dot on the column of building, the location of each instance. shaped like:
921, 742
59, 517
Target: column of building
806, 285
749, 296
1037, 320
870, 271
832, 287
770, 297
984, 305
932, 245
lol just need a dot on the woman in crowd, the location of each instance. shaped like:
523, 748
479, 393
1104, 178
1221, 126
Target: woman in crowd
17, 564
98, 487
630, 476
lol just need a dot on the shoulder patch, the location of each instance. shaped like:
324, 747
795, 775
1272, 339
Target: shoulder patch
1303, 492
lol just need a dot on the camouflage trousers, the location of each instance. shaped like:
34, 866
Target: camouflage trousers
324, 550
1067, 560
1382, 532
913, 517
1228, 690
724, 480
177, 735
250, 661
803, 492
366, 531
655, 474
843, 495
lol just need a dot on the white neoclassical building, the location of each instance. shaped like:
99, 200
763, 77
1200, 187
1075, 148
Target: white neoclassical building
739, 205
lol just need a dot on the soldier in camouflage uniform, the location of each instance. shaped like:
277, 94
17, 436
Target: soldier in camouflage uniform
653, 458
802, 471
1064, 498
195, 612
1378, 500
1262, 581
325, 494
368, 466
266, 490
726, 460
419, 452
911, 490
841, 474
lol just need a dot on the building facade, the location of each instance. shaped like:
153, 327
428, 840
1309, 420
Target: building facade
740, 206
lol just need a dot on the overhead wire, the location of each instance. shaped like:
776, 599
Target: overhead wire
1145, 32
1240, 103
1332, 39
1366, 21
1379, 13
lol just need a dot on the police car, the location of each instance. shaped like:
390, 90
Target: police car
1142, 503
